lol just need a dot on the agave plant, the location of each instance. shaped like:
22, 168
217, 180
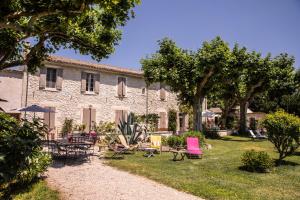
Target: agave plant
130, 129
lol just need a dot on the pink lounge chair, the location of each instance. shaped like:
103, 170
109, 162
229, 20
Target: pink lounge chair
193, 148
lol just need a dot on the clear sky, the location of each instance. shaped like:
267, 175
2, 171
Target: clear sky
261, 25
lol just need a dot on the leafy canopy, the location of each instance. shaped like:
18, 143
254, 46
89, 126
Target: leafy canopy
185, 70
88, 26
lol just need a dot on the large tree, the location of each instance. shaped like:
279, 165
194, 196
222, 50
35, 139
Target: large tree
255, 73
282, 87
191, 75
88, 26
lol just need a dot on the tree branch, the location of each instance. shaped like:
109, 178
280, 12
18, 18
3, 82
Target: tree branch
201, 84
252, 90
12, 64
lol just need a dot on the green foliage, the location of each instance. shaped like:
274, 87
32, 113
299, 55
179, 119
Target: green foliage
151, 119
67, 127
172, 122
90, 27
212, 133
283, 131
130, 129
21, 159
164, 140
175, 141
256, 161
280, 92
199, 135
190, 75
105, 127
37, 191
79, 127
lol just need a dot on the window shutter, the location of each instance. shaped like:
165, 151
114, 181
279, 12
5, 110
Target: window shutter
162, 120
43, 72
123, 86
59, 79
97, 83
50, 118
120, 90
162, 92
93, 117
86, 119
83, 82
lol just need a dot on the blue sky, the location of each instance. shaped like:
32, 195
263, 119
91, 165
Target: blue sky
260, 25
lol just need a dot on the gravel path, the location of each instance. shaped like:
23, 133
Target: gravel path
96, 181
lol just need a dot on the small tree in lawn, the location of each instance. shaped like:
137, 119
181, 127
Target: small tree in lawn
284, 132
190, 75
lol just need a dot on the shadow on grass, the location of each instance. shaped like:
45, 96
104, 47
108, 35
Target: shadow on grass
285, 163
236, 140
247, 169
296, 154
112, 158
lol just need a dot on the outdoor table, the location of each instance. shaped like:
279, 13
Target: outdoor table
149, 152
74, 146
181, 152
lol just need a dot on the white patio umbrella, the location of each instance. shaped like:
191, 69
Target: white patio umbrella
208, 113
35, 108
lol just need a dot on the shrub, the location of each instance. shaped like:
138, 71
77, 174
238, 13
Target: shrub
164, 140
21, 159
175, 141
256, 161
212, 133
172, 117
130, 129
197, 134
67, 127
151, 119
105, 127
283, 131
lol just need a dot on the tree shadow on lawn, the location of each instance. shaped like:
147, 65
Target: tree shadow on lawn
296, 154
239, 140
285, 163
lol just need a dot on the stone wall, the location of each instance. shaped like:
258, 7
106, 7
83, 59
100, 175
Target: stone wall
11, 89
69, 102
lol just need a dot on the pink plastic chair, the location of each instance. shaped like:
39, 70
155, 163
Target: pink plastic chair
193, 146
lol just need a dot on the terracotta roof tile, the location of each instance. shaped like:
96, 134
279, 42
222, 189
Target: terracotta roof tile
103, 67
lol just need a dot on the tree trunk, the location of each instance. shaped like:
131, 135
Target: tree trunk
243, 117
197, 113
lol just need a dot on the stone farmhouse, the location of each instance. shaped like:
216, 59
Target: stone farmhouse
87, 93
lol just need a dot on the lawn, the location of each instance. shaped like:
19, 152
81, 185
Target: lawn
36, 191
217, 175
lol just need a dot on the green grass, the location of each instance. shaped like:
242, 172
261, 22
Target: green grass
217, 175
36, 191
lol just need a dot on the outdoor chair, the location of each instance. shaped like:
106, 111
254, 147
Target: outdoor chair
193, 149
258, 136
125, 144
155, 146
118, 150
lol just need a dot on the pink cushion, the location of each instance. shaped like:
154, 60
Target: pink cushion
193, 146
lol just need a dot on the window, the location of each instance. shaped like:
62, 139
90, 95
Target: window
121, 86
51, 78
89, 82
